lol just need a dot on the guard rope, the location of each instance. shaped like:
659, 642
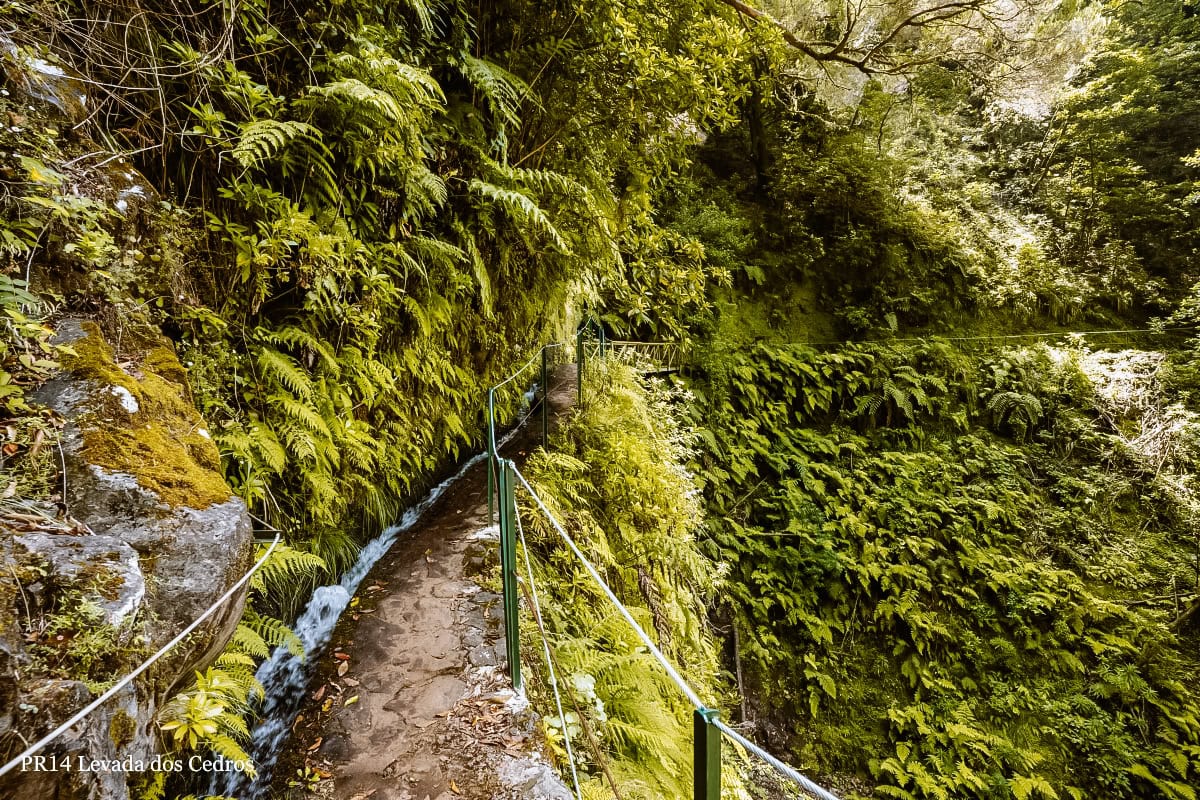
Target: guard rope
782, 768
121, 684
537, 615
641, 634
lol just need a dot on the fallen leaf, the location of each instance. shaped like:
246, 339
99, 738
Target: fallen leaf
363, 795
328, 704
340, 656
317, 695
313, 747
11, 449
39, 437
454, 787
11, 490
343, 668
350, 682
351, 701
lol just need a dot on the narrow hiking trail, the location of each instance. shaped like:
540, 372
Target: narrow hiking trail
411, 700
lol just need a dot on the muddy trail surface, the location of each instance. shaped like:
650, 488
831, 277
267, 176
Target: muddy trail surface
411, 700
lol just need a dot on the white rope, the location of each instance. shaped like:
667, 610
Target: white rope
528, 363
99, 701
780, 767
537, 612
671, 671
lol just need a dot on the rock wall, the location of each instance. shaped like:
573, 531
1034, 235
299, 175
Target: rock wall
147, 532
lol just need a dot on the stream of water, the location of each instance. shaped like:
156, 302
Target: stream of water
285, 676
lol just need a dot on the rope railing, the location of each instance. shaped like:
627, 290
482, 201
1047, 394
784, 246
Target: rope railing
37, 746
707, 725
537, 617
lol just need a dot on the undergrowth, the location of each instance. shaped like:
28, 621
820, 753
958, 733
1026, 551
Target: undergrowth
950, 575
616, 479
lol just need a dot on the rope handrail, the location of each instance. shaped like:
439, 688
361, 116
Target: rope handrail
678, 680
536, 355
537, 612
992, 337
112, 691
787, 771
780, 767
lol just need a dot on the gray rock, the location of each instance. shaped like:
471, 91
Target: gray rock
160, 563
79, 560
532, 779
482, 656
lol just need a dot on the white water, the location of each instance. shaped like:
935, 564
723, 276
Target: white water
285, 677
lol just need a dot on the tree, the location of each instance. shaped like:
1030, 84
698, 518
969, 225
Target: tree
890, 38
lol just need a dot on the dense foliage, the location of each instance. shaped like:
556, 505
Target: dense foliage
963, 572
627, 721
951, 573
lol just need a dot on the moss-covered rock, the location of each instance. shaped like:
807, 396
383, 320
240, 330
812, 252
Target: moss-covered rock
152, 538
142, 424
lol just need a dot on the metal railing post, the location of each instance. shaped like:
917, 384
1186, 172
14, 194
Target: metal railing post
508, 569
491, 459
579, 358
545, 401
706, 755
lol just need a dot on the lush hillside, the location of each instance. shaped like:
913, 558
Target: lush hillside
956, 548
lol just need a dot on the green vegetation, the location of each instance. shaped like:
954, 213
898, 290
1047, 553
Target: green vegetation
955, 565
638, 525
950, 561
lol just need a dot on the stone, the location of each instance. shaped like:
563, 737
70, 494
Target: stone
482, 656
532, 779
104, 562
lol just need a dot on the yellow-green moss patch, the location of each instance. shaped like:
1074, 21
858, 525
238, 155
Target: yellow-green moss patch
160, 444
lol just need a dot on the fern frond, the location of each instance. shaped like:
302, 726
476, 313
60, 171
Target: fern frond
521, 210
274, 632
283, 369
262, 139
502, 90
285, 563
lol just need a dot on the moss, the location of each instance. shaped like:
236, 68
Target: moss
121, 729
160, 444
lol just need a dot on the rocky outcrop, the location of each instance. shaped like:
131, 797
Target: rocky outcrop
146, 537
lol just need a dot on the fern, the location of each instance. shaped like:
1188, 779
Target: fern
501, 88
521, 210
286, 564
260, 140
1021, 411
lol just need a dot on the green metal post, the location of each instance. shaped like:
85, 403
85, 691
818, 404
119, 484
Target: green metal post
545, 401
579, 357
508, 569
491, 450
706, 755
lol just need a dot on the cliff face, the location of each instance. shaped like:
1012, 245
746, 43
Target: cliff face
120, 530
147, 538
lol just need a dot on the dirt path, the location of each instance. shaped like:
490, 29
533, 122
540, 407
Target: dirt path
411, 700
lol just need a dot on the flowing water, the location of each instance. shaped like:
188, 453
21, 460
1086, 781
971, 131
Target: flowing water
285, 676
